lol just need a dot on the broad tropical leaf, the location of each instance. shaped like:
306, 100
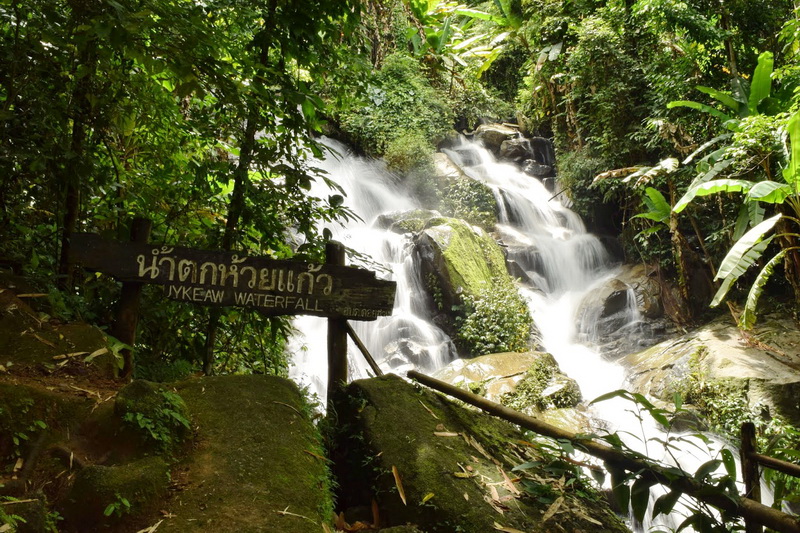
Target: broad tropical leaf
712, 172
770, 192
701, 107
705, 146
727, 283
747, 250
658, 208
711, 187
792, 173
720, 96
748, 318
761, 85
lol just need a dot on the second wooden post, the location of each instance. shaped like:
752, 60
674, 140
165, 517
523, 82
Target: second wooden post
337, 330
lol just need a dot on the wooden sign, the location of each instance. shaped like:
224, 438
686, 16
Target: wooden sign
274, 287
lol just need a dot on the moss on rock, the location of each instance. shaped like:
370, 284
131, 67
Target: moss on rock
157, 415
258, 464
108, 494
453, 465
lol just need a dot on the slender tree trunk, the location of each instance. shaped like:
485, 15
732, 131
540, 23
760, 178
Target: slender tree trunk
240, 183
73, 172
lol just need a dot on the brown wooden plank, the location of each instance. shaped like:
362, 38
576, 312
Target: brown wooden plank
274, 287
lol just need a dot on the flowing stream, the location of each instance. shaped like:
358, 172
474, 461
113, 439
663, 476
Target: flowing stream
563, 262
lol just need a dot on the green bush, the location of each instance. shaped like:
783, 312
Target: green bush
470, 200
495, 320
399, 103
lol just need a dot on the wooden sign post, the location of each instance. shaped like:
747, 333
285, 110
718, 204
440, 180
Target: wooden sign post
273, 287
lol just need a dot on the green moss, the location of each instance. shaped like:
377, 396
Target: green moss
258, 454
446, 478
100, 490
472, 258
158, 414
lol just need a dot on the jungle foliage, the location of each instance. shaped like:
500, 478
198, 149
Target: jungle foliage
196, 115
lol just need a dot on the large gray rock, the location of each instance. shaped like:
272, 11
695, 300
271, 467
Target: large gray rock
624, 313
493, 135
765, 366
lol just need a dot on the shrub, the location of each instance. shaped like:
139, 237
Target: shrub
495, 320
399, 103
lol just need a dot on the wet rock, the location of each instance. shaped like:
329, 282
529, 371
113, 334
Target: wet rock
493, 135
538, 170
767, 376
405, 221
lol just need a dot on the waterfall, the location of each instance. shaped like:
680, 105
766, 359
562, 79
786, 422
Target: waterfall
563, 262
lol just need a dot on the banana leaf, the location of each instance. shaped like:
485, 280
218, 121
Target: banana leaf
720, 96
770, 192
700, 107
761, 85
747, 250
748, 318
711, 187
792, 173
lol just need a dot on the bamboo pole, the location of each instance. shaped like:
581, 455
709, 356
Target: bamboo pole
363, 349
748, 509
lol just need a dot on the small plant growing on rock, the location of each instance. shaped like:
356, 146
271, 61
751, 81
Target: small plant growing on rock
156, 413
495, 320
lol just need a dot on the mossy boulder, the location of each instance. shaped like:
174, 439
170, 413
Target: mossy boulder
106, 494
30, 342
257, 464
406, 221
459, 259
530, 382
429, 462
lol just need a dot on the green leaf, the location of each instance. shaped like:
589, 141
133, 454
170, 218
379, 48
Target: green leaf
747, 250
761, 84
749, 315
770, 192
700, 107
709, 173
658, 209
707, 468
705, 146
792, 173
722, 97
665, 503
711, 187
619, 393
729, 462
640, 496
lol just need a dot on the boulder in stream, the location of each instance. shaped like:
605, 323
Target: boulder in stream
758, 371
529, 382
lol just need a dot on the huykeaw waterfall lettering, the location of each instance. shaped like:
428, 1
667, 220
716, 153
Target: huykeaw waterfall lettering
559, 265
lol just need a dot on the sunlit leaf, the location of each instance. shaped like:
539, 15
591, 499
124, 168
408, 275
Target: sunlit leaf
747, 250
749, 315
711, 187
761, 84
770, 192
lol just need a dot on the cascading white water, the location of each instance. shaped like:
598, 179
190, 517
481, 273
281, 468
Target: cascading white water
562, 261
407, 339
